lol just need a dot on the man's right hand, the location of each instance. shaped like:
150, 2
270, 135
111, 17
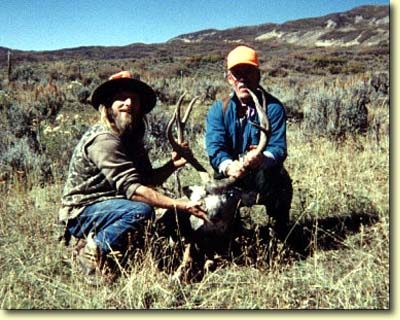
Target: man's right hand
194, 208
155, 198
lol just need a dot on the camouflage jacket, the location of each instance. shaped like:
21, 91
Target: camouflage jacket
102, 167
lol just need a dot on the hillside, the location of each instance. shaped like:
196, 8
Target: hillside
365, 26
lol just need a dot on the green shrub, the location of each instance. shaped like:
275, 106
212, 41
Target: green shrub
336, 112
60, 141
20, 158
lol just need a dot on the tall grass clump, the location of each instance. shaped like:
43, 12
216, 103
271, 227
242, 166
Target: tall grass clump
336, 112
21, 150
207, 89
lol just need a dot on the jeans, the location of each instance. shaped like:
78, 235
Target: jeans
111, 221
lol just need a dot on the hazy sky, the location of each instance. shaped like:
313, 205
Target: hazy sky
48, 25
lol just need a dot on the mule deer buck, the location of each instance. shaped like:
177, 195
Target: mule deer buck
220, 198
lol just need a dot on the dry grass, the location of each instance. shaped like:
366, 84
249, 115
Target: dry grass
337, 256
330, 180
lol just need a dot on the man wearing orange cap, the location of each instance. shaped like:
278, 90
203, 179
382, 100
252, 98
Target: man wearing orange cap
230, 138
108, 196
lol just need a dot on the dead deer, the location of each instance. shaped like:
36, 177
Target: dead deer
220, 198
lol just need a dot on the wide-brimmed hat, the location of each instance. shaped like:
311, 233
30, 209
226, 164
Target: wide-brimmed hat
242, 55
124, 81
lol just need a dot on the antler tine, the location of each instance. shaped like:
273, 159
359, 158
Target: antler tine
179, 125
264, 123
168, 131
264, 101
183, 152
175, 115
189, 109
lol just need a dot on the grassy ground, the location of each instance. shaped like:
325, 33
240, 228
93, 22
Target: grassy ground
341, 198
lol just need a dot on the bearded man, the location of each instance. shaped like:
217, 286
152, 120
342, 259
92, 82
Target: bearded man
109, 194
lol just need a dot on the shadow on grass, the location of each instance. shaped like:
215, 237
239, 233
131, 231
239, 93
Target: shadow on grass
301, 239
327, 233
261, 247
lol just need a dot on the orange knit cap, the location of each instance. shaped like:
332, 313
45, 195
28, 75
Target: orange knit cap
242, 55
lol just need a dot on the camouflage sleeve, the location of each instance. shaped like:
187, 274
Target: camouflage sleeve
109, 156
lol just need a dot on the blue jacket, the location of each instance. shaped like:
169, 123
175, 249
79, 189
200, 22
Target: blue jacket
226, 138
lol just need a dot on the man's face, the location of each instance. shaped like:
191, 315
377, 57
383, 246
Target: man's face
242, 77
126, 111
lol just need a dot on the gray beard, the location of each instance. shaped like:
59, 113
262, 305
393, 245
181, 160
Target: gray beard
128, 127
125, 129
128, 130
124, 125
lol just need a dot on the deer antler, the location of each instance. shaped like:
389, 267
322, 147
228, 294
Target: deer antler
180, 126
262, 118
221, 185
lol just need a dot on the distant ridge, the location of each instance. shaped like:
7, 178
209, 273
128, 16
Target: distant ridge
364, 26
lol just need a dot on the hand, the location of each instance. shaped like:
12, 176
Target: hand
235, 169
252, 158
177, 160
194, 208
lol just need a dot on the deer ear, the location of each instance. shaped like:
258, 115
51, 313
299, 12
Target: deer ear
194, 193
187, 191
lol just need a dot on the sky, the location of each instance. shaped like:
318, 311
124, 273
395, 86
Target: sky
57, 24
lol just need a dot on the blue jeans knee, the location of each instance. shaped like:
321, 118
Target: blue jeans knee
111, 221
